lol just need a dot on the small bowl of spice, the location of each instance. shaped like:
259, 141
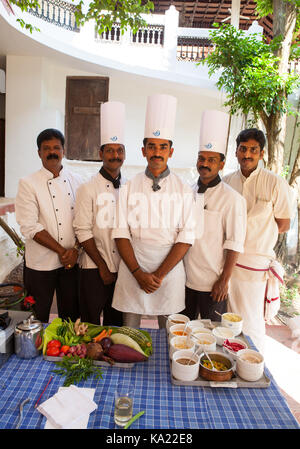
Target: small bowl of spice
178, 343
179, 330
176, 318
250, 365
232, 346
185, 365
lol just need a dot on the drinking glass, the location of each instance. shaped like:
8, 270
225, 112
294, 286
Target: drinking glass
123, 404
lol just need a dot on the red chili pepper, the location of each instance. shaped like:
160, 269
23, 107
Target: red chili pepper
53, 352
233, 346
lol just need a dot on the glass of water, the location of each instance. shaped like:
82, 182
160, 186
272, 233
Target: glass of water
123, 404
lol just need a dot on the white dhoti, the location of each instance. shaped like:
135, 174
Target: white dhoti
169, 298
247, 289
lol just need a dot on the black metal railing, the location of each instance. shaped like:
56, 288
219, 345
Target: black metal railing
57, 12
193, 48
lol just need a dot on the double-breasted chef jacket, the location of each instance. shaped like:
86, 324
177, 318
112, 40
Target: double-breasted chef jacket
225, 219
94, 218
46, 203
153, 222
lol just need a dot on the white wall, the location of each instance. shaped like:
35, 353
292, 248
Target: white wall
35, 100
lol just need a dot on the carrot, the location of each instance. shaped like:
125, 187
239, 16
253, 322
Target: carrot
109, 333
100, 336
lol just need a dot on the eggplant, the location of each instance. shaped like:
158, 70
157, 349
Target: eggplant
106, 344
125, 354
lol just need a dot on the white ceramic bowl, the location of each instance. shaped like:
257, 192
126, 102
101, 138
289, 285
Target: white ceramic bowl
235, 326
222, 333
248, 370
196, 323
179, 343
171, 321
200, 330
234, 353
205, 337
177, 328
185, 372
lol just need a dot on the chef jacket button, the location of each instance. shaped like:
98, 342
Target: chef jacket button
107, 185
61, 238
72, 208
69, 193
56, 210
59, 224
65, 180
49, 183
114, 251
53, 196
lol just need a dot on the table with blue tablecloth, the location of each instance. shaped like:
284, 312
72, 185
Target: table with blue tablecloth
166, 406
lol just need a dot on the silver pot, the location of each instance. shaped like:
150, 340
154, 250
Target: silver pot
28, 338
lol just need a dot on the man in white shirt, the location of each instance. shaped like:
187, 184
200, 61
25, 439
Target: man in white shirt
269, 211
210, 261
44, 211
93, 223
154, 226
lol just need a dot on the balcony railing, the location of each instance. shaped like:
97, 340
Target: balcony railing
57, 12
148, 35
193, 49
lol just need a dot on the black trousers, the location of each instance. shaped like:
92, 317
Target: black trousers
42, 285
95, 297
202, 303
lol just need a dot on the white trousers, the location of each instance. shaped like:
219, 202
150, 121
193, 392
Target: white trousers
134, 320
247, 298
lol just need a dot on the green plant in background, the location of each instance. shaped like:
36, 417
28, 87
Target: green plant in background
288, 295
14, 236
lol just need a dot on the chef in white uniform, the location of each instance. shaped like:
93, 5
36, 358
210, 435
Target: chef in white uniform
154, 226
94, 218
269, 211
44, 211
210, 261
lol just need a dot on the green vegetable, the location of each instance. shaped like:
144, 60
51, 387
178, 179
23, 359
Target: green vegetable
127, 341
137, 416
50, 333
76, 369
141, 337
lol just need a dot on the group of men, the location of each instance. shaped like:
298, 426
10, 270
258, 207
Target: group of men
153, 245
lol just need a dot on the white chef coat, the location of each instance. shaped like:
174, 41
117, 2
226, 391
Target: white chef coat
154, 222
268, 197
46, 203
225, 219
94, 218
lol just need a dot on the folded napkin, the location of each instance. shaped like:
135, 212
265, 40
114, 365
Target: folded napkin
67, 408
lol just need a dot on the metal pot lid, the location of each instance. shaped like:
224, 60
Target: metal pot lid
28, 325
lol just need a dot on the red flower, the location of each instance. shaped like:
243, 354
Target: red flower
29, 301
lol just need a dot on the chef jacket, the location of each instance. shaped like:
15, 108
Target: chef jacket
160, 218
225, 219
154, 222
94, 218
46, 203
268, 196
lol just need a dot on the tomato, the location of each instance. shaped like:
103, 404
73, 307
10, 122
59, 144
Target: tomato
53, 352
65, 349
54, 344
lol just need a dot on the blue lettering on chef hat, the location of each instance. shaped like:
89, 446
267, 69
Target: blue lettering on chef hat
156, 133
208, 146
114, 138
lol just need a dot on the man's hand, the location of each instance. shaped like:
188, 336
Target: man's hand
148, 282
219, 291
106, 276
68, 258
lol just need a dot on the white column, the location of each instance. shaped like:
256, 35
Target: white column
170, 36
235, 13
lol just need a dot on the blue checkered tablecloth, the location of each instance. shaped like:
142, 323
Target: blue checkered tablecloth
166, 406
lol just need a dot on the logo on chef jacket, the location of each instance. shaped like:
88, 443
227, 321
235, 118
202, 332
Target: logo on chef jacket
114, 138
208, 146
156, 133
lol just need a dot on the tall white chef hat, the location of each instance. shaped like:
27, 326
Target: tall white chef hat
213, 131
160, 116
112, 123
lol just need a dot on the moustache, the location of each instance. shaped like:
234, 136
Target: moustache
156, 157
52, 156
204, 168
247, 159
115, 160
